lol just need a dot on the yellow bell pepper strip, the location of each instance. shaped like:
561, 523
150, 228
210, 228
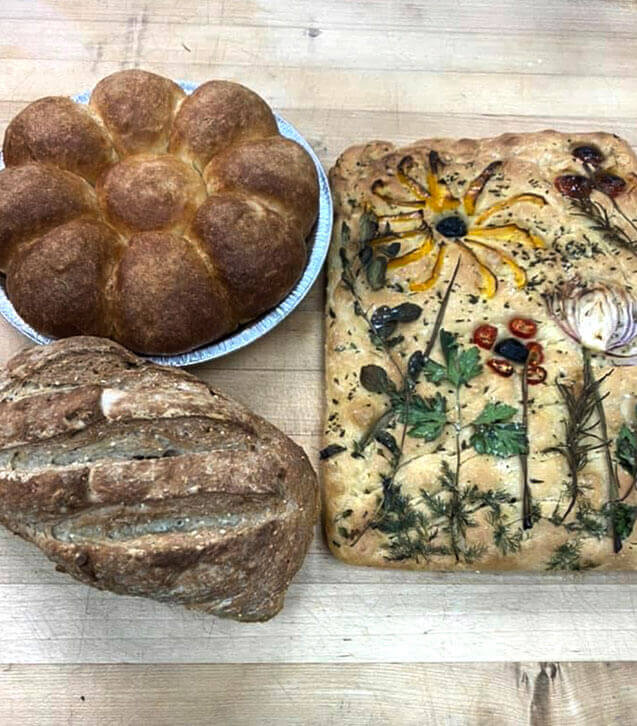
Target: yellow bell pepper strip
440, 198
413, 185
435, 273
508, 233
416, 254
536, 199
519, 275
388, 238
415, 216
489, 285
477, 185
378, 189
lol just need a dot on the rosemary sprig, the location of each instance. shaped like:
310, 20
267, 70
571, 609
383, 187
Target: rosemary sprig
601, 222
579, 437
613, 484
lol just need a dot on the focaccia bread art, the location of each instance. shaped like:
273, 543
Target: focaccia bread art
481, 347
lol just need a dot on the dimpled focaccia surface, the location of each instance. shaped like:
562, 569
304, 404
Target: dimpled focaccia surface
149, 166
141, 480
441, 454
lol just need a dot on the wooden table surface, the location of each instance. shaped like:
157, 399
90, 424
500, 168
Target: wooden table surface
352, 645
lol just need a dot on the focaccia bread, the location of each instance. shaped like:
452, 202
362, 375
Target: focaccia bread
141, 480
481, 338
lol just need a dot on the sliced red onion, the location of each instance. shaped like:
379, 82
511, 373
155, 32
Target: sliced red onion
601, 317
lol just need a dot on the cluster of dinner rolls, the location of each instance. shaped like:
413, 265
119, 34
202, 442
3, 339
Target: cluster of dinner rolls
160, 220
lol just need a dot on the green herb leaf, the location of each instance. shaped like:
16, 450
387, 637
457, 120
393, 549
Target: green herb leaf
494, 413
500, 439
449, 346
567, 557
376, 272
626, 450
468, 367
331, 450
406, 312
433, 372
373, 378
388, 441
368, 227
622, 517
426, 416
345, 234
462, 365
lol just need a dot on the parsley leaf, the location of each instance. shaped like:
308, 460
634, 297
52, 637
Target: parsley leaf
433, 371
499, 439
426, 416
494, 434
461, 365
469, 366
626, 450
449, 346
495, 412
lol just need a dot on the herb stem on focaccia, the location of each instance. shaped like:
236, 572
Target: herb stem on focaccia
527, 502
613, 485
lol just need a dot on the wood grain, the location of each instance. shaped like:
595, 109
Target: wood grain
342, 72
537, 694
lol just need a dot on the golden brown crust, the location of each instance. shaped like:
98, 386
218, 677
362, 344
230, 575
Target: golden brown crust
149, 192
57, 282
33, 199
171, 305
558, 242
121, 145
276, 170
141, 480
257, 253
60, 132
137, 108
216, 115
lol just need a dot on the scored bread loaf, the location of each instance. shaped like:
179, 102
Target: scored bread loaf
141, 480
160, 220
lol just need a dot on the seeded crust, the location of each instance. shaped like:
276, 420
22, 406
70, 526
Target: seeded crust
142, 480
354, 482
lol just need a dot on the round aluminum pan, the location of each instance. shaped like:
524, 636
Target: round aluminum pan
318, 244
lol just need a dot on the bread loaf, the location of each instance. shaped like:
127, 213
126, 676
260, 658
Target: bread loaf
141, 480
160, 220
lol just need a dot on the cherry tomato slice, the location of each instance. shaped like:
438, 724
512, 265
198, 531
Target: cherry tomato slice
535, 375
501, 367
536, 353
523, 327
484, 336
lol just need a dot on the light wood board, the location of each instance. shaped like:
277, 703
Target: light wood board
537, 694
342, 72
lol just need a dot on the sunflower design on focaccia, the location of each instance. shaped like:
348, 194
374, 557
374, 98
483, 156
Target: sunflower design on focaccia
481, 343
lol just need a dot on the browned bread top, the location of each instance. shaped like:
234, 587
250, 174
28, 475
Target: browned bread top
141, 480
145, 158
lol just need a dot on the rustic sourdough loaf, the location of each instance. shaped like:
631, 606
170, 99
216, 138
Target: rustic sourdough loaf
160, 220
141, 480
